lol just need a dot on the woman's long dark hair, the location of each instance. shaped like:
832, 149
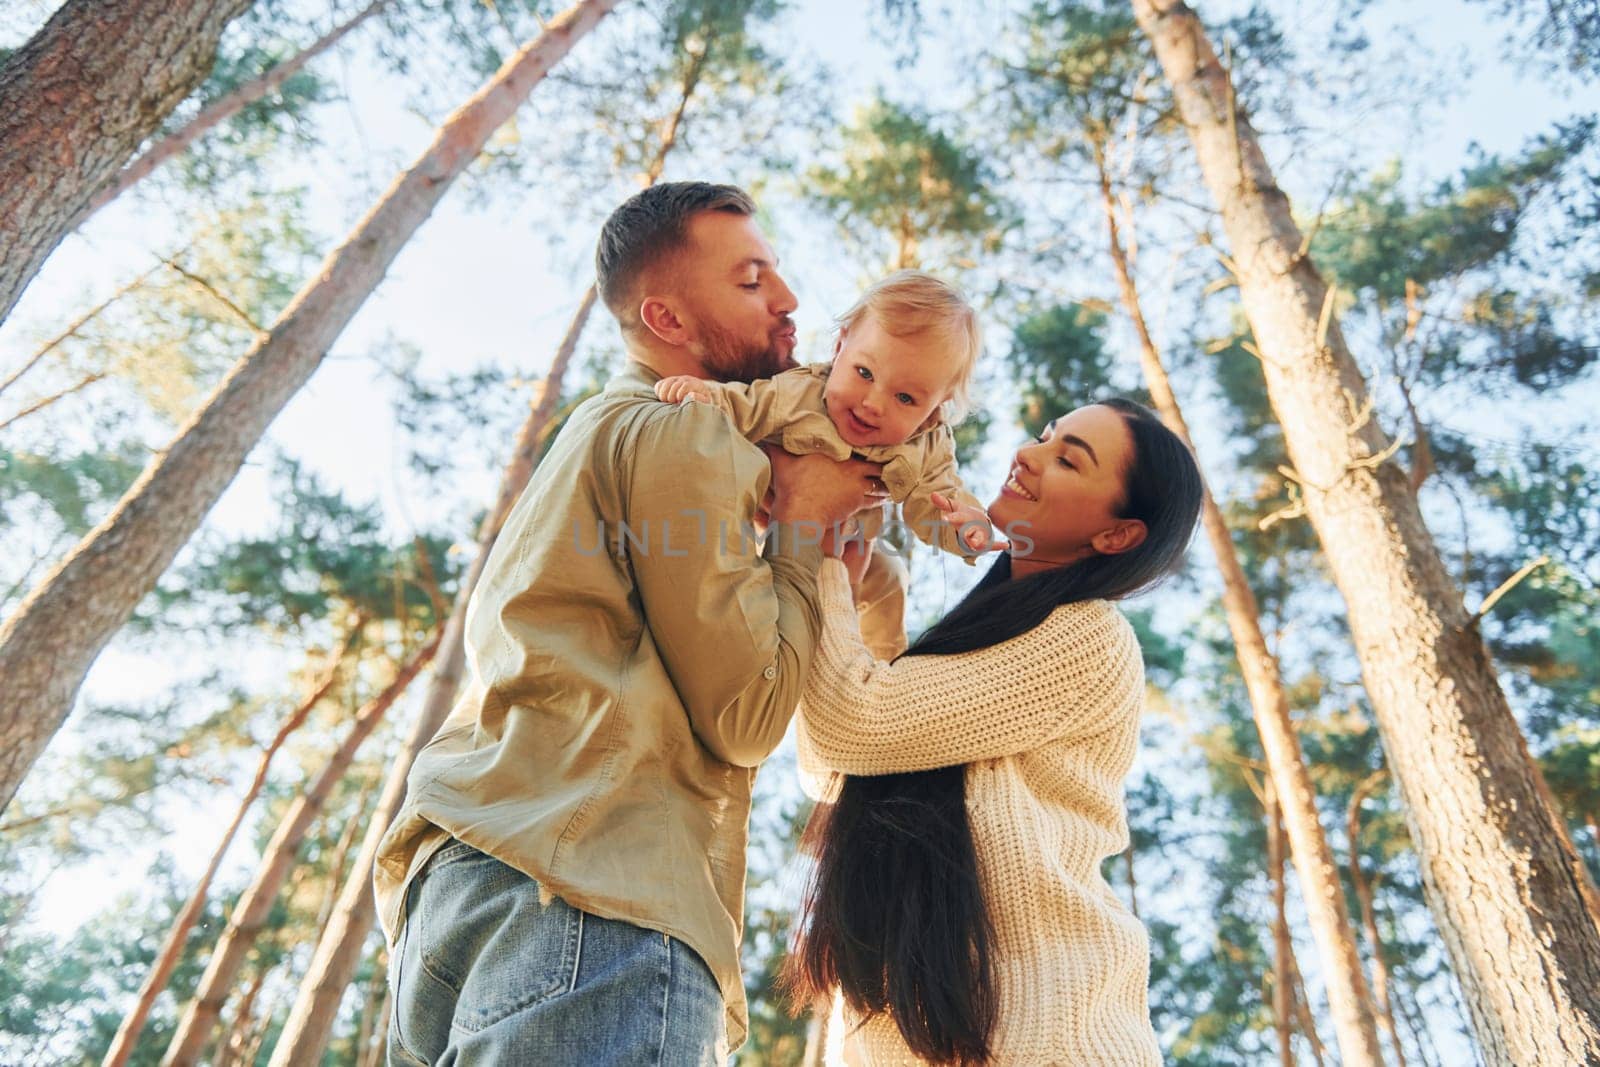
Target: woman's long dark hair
894, 915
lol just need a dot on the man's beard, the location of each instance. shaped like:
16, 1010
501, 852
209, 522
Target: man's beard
727, 358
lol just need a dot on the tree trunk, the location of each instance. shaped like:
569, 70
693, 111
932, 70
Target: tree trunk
1302, 1008
250, 912
127, 1035
1369, 918
372, 1010
218, 112
1282, 985
1314, 864
77, 100
1511, 898
341, 856
305, 1034
231, 1050
54, 635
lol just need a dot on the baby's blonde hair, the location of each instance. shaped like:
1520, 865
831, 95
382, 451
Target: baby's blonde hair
910, 302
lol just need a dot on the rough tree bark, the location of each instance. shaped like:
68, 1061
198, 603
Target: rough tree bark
305, 1034
127, 1035
1314, 864
1512, 901
77, 100
48, 644
250, 911
220, 111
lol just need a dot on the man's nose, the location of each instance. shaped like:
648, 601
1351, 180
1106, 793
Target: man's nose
783, 299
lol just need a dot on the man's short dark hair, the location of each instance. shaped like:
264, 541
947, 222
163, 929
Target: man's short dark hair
649, 226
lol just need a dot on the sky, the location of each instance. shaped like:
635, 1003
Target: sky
485, 283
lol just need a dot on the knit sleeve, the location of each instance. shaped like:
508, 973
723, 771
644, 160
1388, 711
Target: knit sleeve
1074, 674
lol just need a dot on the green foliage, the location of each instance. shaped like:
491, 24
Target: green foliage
323, 551
72, 487
1059, 362
1563, 36
900, 175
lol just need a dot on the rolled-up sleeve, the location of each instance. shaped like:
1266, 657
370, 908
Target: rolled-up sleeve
736, 629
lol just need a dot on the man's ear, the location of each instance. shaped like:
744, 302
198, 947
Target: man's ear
1126, 535
661, 319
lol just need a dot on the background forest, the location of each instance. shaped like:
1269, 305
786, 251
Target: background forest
282, 343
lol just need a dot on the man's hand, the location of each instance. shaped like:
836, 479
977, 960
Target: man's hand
819, 490
681, 387
971, 524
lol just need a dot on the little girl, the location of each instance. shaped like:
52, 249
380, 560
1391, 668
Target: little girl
902, 366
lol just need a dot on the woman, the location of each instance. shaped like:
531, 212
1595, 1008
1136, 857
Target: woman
956, 904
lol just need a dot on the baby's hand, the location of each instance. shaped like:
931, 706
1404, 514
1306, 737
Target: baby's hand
681, 387
971, 523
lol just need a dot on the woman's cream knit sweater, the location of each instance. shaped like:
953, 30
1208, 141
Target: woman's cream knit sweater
1047, 724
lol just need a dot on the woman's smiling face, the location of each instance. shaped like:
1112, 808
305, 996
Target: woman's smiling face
1060, 501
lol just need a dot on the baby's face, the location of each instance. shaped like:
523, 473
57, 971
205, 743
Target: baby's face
883, 387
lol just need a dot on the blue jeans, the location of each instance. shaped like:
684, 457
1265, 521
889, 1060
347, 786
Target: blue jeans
484, 973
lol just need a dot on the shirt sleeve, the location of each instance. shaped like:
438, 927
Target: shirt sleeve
734, 628
758, 409
1072, 675
880, 599
939, 476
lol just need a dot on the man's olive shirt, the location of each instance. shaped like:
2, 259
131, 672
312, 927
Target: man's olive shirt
632, 656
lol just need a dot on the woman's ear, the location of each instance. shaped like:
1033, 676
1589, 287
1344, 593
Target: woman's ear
661, 319
1126, 535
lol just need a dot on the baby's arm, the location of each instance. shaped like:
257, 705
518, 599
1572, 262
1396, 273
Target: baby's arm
756, 408
681, 387
942, 512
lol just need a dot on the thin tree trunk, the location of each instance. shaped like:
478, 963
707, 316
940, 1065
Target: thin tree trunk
1302, 1007
1331, 929
250, 912
1369, 918
232, 1045
48, 644
1421, 1036
341, 856
220, 111
1282, 985
78, 99
127, 1035
305, 1034
371, 1009
374, 1052
1511, 898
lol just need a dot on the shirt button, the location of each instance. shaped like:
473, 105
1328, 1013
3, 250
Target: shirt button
770, 673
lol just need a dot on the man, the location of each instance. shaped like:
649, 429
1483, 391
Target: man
564, 884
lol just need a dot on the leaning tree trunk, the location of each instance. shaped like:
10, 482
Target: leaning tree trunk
250, 912
1314, 864
1512, 900
127, 1035
1282, 983
305, 1034
77, 100
54, 635
220, 111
